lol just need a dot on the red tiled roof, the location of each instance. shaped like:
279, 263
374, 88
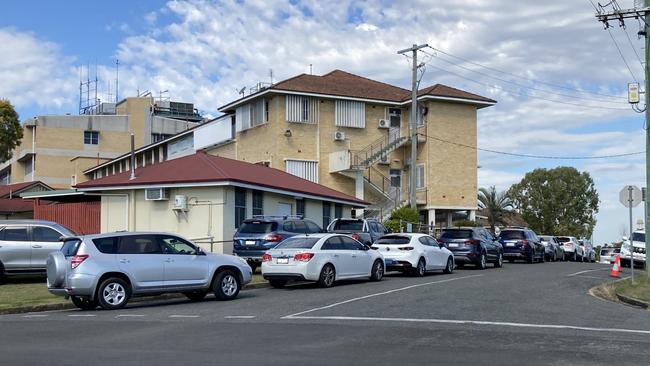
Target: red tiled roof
9, 205
440, 90
16, 188
203, 168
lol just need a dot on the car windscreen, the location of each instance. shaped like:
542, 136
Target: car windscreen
393, 240
512, 235
70, 247
456, 234
563, 239
546, 238
297, 243
257, 227
348, 225
638, 237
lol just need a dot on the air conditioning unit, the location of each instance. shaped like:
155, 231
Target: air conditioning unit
384, 160
384, 123
339, 136
180, 202
156, 194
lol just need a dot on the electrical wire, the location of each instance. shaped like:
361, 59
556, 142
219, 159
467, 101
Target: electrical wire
621, 54
533, 156
632, 46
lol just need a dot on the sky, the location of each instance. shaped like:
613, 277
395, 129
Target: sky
557, 74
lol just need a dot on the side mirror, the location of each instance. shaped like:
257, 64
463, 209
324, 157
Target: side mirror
199, 251
625, 238
366, 248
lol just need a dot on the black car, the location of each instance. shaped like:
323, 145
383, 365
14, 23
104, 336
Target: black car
257, 235
473, 245
521, 243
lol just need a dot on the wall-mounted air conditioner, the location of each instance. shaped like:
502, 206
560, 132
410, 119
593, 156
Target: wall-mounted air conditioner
156, 194
339, 136
384, 123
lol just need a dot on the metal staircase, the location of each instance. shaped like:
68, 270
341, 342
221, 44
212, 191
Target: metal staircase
391, 196
378, 150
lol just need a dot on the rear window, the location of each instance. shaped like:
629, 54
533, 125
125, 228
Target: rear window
606, 251
456, 234
638, 237
106, 245
563, 239
512, 234
70, 247
393, 240
297, 243
258, 227
348, 225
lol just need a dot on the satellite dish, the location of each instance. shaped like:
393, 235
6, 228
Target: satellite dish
241, 91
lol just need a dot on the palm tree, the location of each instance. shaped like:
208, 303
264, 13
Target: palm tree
494, 203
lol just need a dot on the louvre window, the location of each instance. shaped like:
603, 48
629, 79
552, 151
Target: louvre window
304, 169
301, 109
327, 214
251, 115
420, 176
258, 203
350, 114
240, 206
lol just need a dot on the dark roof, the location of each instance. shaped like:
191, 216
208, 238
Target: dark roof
11, 205
16, 188
203, 168
339, 83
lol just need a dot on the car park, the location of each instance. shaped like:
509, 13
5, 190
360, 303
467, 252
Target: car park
572, 249
553, 251
108, 269
415, 254
25, 244
473, 245
257, 235
608, 254
521, 243
321, 258
367, 231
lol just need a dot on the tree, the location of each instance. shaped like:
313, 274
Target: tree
11, 132
494, 203
559, 201
402, 216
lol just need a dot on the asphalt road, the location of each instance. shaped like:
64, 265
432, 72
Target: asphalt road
539, 314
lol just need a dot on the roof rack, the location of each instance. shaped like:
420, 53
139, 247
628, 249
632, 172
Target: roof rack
283, 217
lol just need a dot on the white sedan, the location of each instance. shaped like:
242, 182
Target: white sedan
414, 253
323, 258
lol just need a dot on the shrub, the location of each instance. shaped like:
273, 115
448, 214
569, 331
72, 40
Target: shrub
404, 215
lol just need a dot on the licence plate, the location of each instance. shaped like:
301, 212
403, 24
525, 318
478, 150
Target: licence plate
283, 260
510, 244
250, 242
453, 245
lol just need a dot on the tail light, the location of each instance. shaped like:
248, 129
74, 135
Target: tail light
406, 248
77, 260
524, 242
472, 242
266, 257
440, 241
303, 257
355, 236
273, 237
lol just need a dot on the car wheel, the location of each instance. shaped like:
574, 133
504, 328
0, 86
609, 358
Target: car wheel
226, 285
450, 266
511, 260
113, 293
195, 295
278, 283
84, 303
421, 268
327, 276
3, 276
542, 258
482, 261
460, 265
531, 257
377, 271
499, 261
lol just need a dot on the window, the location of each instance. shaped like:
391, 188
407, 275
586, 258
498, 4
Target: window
70, 247
141, 244
258, 227
258, 203
303, 168
300, 208
298, 243
338, 211
156, 137
420, 176
350, 114
106, 245
312, 227
327, 213
45, 234
240, 206
29, 166
422, 116
174, 245
251, 115
91, 137
14, 234
333, 243
5, 177
301, 109
351, 244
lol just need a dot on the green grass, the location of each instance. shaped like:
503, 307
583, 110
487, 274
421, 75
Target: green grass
640, 290
26, 292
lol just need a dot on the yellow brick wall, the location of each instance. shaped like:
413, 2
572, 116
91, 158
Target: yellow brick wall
136, 108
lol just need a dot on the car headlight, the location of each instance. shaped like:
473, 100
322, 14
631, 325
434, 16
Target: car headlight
241, 259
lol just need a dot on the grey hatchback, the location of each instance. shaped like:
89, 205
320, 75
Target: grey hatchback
108, 269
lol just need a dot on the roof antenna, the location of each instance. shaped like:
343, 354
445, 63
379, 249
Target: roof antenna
132, 177
310, 70
271, 74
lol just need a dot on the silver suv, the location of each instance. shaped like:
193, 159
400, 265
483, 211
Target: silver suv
25, 244
108, 269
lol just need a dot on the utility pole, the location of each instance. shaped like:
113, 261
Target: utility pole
413, 120
619, 15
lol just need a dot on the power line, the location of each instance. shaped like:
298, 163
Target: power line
532, 155
633, 48
621, 54
526, 78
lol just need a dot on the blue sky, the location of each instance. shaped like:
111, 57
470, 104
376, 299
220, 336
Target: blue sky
203, 51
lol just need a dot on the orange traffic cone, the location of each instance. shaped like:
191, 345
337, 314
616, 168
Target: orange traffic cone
616, 268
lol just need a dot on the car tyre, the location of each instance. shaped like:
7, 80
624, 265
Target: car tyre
327, 276
277, 283
195, 296
542, 258
226, 285
421, 268
84, 303
3, 276
377, 271
511, 260
499, 262
113, 293
482, 261
460, 265
450, 266
531, 258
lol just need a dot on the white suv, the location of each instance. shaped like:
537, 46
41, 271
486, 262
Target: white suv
108, 269
572, 249
637, 245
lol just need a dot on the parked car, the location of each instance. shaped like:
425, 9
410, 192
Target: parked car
257, 235
589, 254
322, 258
25, 244
553, 251
414, 253
108, 269
367, 231
521, 243
473, 245
637, 244
572, 249
608, 254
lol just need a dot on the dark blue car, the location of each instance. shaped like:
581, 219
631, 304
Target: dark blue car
257, 235
521, 243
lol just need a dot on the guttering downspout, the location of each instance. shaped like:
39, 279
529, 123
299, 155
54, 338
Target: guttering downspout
33, 151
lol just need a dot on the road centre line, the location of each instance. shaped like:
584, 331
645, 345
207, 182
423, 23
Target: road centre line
239, 317
476, 322
82, 315
129, 316
184, 316
589, 270
377, 294
35, 316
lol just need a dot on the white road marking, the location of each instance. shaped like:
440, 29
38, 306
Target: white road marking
82, 315
598, 278
239, 317
378, 294
184, 316
35, 316
129, 316
476, 322
589, 270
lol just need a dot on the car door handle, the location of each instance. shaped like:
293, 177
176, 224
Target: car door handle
169, 260
336, 255
354, 255
124, 261
37, 246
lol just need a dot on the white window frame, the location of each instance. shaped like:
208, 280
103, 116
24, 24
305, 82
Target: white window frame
421, 118
301, 109
350, 113
305, 169
420, 176
251, 115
